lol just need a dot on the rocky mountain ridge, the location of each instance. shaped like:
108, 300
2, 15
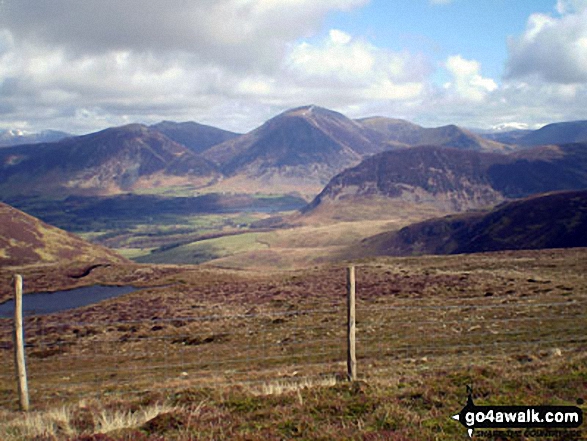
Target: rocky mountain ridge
302, 148
453, 180
111, 161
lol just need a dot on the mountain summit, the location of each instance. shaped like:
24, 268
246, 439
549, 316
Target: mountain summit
110, 161
196, 137
314, 143
309, 144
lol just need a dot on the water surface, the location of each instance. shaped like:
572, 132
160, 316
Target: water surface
47, 303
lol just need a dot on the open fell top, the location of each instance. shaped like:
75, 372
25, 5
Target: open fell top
217, 343
433, 279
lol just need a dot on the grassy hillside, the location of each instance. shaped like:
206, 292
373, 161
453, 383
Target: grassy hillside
294, 247
557, 220
25, 240
210, 354
452, 180
112, 161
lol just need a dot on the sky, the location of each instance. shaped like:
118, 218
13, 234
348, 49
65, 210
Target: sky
82, 66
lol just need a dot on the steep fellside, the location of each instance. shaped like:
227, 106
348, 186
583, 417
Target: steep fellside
446, 179
541, 170
455, 180
308, 144
196, 137
108, 162
555, 220
25, 240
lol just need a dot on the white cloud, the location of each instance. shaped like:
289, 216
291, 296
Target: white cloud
553, 49
82, 66
509, 126
251, 34
70, 90
335, 59
56, 89
65, 60
366, 70
532, 103
467, 81
339, 37
570, 6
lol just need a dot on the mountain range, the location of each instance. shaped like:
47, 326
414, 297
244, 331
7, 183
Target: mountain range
312, 144
111, 161
389, 171
299, 150
394, 133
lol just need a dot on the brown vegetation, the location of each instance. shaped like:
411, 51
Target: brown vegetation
554, 220
207, 342
453, 180
25, 240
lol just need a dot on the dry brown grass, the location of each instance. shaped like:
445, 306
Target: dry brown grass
85, 418
512, 324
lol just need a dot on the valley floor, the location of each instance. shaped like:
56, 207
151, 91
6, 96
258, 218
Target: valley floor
208, 353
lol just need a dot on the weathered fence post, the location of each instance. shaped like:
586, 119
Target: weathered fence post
351, 357
21, 377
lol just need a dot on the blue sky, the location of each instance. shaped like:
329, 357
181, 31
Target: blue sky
473, 28
83, 66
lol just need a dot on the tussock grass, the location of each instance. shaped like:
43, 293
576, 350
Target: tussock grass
71, 421
281, 387
243, 355
110, 421
35, 424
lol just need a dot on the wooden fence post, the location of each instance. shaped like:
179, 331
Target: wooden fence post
21, 377
351, 357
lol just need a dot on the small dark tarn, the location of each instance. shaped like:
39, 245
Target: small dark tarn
48, 303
